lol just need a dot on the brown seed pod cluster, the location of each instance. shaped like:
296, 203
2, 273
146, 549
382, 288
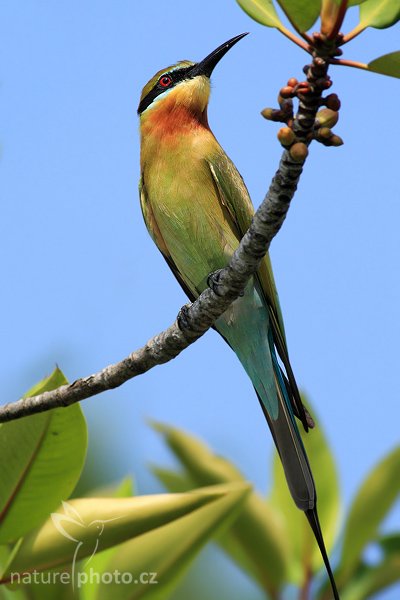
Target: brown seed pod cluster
283, 114
326, 118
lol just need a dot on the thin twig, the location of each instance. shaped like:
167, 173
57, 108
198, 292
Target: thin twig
292, 37
203, 313
349, 63
353, 33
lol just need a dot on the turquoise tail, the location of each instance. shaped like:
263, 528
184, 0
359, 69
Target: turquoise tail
247, 329
295, 463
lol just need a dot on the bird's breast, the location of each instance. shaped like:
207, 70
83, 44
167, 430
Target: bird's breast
186, 207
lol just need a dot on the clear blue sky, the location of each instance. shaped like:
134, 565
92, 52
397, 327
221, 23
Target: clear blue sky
83, 285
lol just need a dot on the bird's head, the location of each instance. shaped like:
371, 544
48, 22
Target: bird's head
185, 84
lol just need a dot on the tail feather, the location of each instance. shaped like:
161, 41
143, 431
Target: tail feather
309, 419
256, 339
295, 462
291, 452
291, 387
312, 517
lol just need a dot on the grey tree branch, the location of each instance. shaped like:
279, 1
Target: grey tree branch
203, 313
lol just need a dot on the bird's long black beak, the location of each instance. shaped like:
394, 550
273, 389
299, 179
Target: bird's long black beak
207, 65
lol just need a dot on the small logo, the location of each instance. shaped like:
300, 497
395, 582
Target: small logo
71, 515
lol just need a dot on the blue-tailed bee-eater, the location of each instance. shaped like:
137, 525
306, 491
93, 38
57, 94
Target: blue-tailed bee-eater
197, 208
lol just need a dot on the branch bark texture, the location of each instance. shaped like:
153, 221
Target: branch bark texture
203, 313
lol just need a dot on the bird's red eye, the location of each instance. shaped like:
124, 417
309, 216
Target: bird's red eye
165, 81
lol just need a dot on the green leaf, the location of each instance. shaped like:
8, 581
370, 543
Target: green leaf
46, 591
257, 532
388, 64
98, 563
368, 580
178, 482
304, 552
5, 553
6, 594
379, 13
301, 13
172, 481
390, 543
157, 560
95, 524
371, 504
262, 11
122, 489
51, 588
42, 457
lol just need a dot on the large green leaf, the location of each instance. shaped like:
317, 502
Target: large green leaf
371, 504
262, 11
379, 13
388, 64
179, 482
304, 550
257, 532
301, 13
86, 526
54, 589
41, 460
6, 594
99, 561
368, 580
45, 591
157, 560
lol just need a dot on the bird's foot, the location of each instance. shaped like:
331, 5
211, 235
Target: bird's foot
182, 319
213, 281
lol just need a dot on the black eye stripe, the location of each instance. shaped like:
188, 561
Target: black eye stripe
176, 76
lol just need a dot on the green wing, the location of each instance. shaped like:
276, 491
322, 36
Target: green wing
234, 196
157, 238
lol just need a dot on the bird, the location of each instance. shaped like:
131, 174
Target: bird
197, 208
